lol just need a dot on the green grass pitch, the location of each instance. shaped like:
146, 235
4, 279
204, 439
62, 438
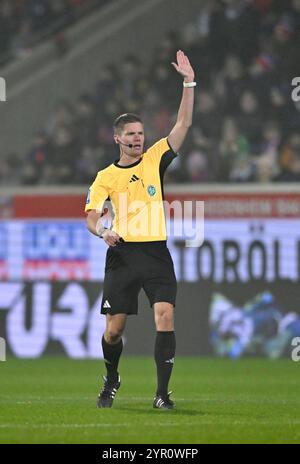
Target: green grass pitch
52, 400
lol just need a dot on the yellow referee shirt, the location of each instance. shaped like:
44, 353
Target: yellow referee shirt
136, 194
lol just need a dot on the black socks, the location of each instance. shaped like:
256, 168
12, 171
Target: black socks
165, 345
111, 354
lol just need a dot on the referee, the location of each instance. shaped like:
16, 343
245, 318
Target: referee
138, 256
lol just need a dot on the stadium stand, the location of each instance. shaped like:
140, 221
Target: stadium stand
246, 125
25, 23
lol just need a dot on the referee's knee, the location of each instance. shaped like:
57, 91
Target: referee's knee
164, 317
113, 336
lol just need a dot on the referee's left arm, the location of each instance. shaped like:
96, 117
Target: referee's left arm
185, 112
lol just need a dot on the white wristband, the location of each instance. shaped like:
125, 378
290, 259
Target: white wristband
100, 228
189, 84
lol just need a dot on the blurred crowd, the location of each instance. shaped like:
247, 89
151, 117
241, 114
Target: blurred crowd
24, 23
246, 124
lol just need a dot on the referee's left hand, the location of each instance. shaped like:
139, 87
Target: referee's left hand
111, 238
184, 67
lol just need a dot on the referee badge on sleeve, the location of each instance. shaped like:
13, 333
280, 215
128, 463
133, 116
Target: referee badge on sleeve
88, 198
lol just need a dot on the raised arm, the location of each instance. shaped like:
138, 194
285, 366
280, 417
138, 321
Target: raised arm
185, 112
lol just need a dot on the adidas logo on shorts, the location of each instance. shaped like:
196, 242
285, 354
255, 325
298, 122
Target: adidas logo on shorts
106, 304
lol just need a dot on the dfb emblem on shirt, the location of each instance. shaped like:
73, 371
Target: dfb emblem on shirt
151, 190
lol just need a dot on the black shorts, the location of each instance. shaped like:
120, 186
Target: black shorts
131, 266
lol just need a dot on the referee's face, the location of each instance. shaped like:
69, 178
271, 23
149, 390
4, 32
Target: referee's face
133, 134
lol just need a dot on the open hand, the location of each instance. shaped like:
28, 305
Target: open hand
183, 66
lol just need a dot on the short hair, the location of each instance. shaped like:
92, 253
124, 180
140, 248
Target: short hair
123, 119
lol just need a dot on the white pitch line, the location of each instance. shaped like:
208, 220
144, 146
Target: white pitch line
165, 424
202, 400
79, 426
75, 398
51, 426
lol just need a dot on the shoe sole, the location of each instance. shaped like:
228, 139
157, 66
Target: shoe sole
164, 409
100, 406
